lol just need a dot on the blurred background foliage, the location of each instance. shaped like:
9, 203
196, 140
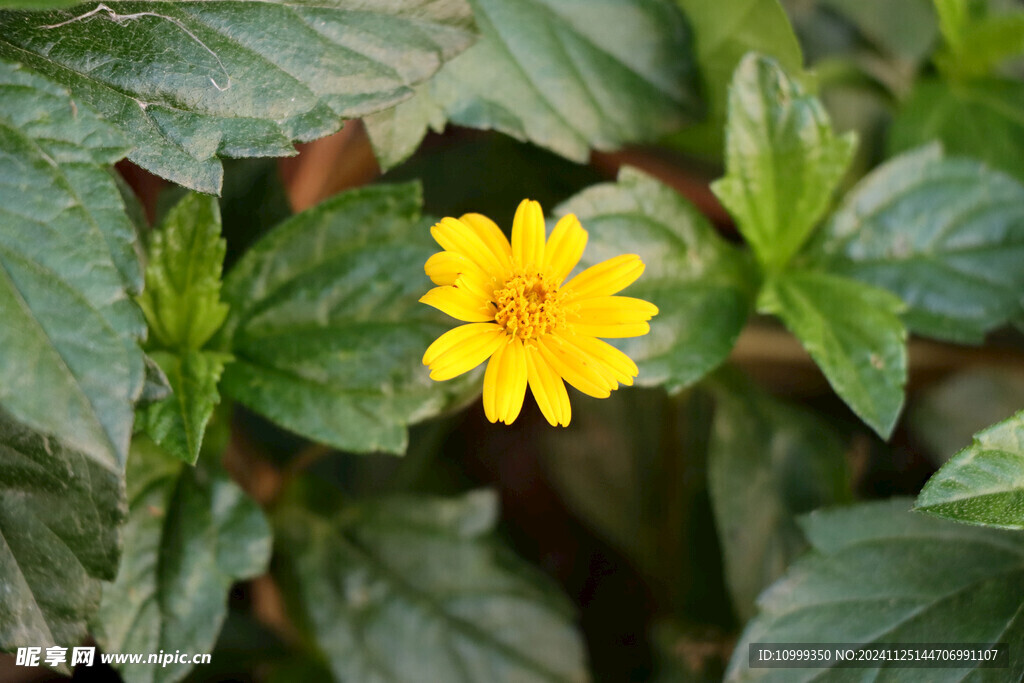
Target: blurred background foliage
660, 517
621, 507
618, 507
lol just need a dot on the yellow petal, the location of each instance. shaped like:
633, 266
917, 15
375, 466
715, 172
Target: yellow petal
449, 268
466, 356
491, 383
612, 331
573, 369
564, 247
476, 285
614, 310
491, 235
528, 235
459, 304
511, 388
456, 236
621, 366
609, 376
607, 278
453, 338
548, 389
445, 267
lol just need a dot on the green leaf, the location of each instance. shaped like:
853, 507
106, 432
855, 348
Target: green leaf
183, 307
178, 422
60, 517
613, 468
905, 29
983, 119
880, 574
71, 365
326, 326
945, 235
854, 334
134, 210
562, 74
190, 534
182, 297
983, 483
189, 82
36, 4
699, 282
977, 39
633, 468
156, 388
984, 45
954, 18
782, 160
768, 461
724, 31
428, 574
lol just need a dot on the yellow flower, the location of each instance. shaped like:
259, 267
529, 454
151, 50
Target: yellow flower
536, 330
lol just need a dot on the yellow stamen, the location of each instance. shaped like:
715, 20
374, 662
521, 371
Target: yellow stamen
529, 305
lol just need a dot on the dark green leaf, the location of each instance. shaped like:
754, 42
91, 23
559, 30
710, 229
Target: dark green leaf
782, 160
182, 297
724, 31
906, 29
854, 334
768, 461
945, 235
132, 207
191, 533
983, 483
565, 75
633, 467
156, 388
60, 517
416, 589
178, 422
36, 4
326, 327
981, 119
70, 364
191, 81
880, 574
944, 416
698, 281
611, 469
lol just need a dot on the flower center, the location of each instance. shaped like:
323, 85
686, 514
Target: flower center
529, 305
